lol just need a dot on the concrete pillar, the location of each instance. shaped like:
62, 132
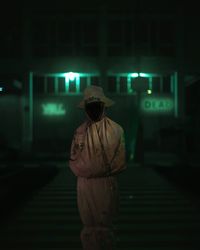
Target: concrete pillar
27, 110
27, 114
179, 81
103, 61
180, 62
27, 34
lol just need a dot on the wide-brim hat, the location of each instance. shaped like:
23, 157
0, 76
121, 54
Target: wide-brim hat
95, 94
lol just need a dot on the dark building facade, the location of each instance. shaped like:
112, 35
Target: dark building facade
144, 55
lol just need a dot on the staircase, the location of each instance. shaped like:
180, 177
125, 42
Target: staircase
153, 215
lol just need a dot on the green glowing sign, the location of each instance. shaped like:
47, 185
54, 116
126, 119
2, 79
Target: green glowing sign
53, 109
71, 76
157, 104
140, 74
134, 75
143, 75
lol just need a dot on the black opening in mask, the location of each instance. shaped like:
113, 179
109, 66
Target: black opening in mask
94, 110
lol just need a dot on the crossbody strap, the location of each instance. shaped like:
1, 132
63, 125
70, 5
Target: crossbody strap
106, 162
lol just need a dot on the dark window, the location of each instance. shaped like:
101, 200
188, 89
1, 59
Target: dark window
50, 85
112, 84
154, 32
77, 37
94, 80
61, 84
141, 38
64, 50
38, 84
166, 31
156, 84
120, 37
90, 32
128, 38
166, 84
83, 83
40, 32
65, 32
140, 84
90, 51
141, 32
41, 50
123, 84
44, 38
168, 51
10, 37
128, 33
115, 31
115, 51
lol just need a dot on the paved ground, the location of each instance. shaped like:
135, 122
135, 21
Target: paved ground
154, 215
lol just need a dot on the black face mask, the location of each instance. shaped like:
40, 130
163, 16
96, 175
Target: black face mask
94, 110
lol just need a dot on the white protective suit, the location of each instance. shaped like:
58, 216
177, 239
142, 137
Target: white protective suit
97, 155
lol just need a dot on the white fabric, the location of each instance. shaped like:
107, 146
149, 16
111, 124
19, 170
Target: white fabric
97, 187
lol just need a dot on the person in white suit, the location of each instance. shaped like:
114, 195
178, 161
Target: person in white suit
97, 156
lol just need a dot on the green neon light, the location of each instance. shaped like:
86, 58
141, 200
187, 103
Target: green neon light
157, 104
143, 75
71, 76
134, 75
139, 74
53, 109
1, 89
149, 91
